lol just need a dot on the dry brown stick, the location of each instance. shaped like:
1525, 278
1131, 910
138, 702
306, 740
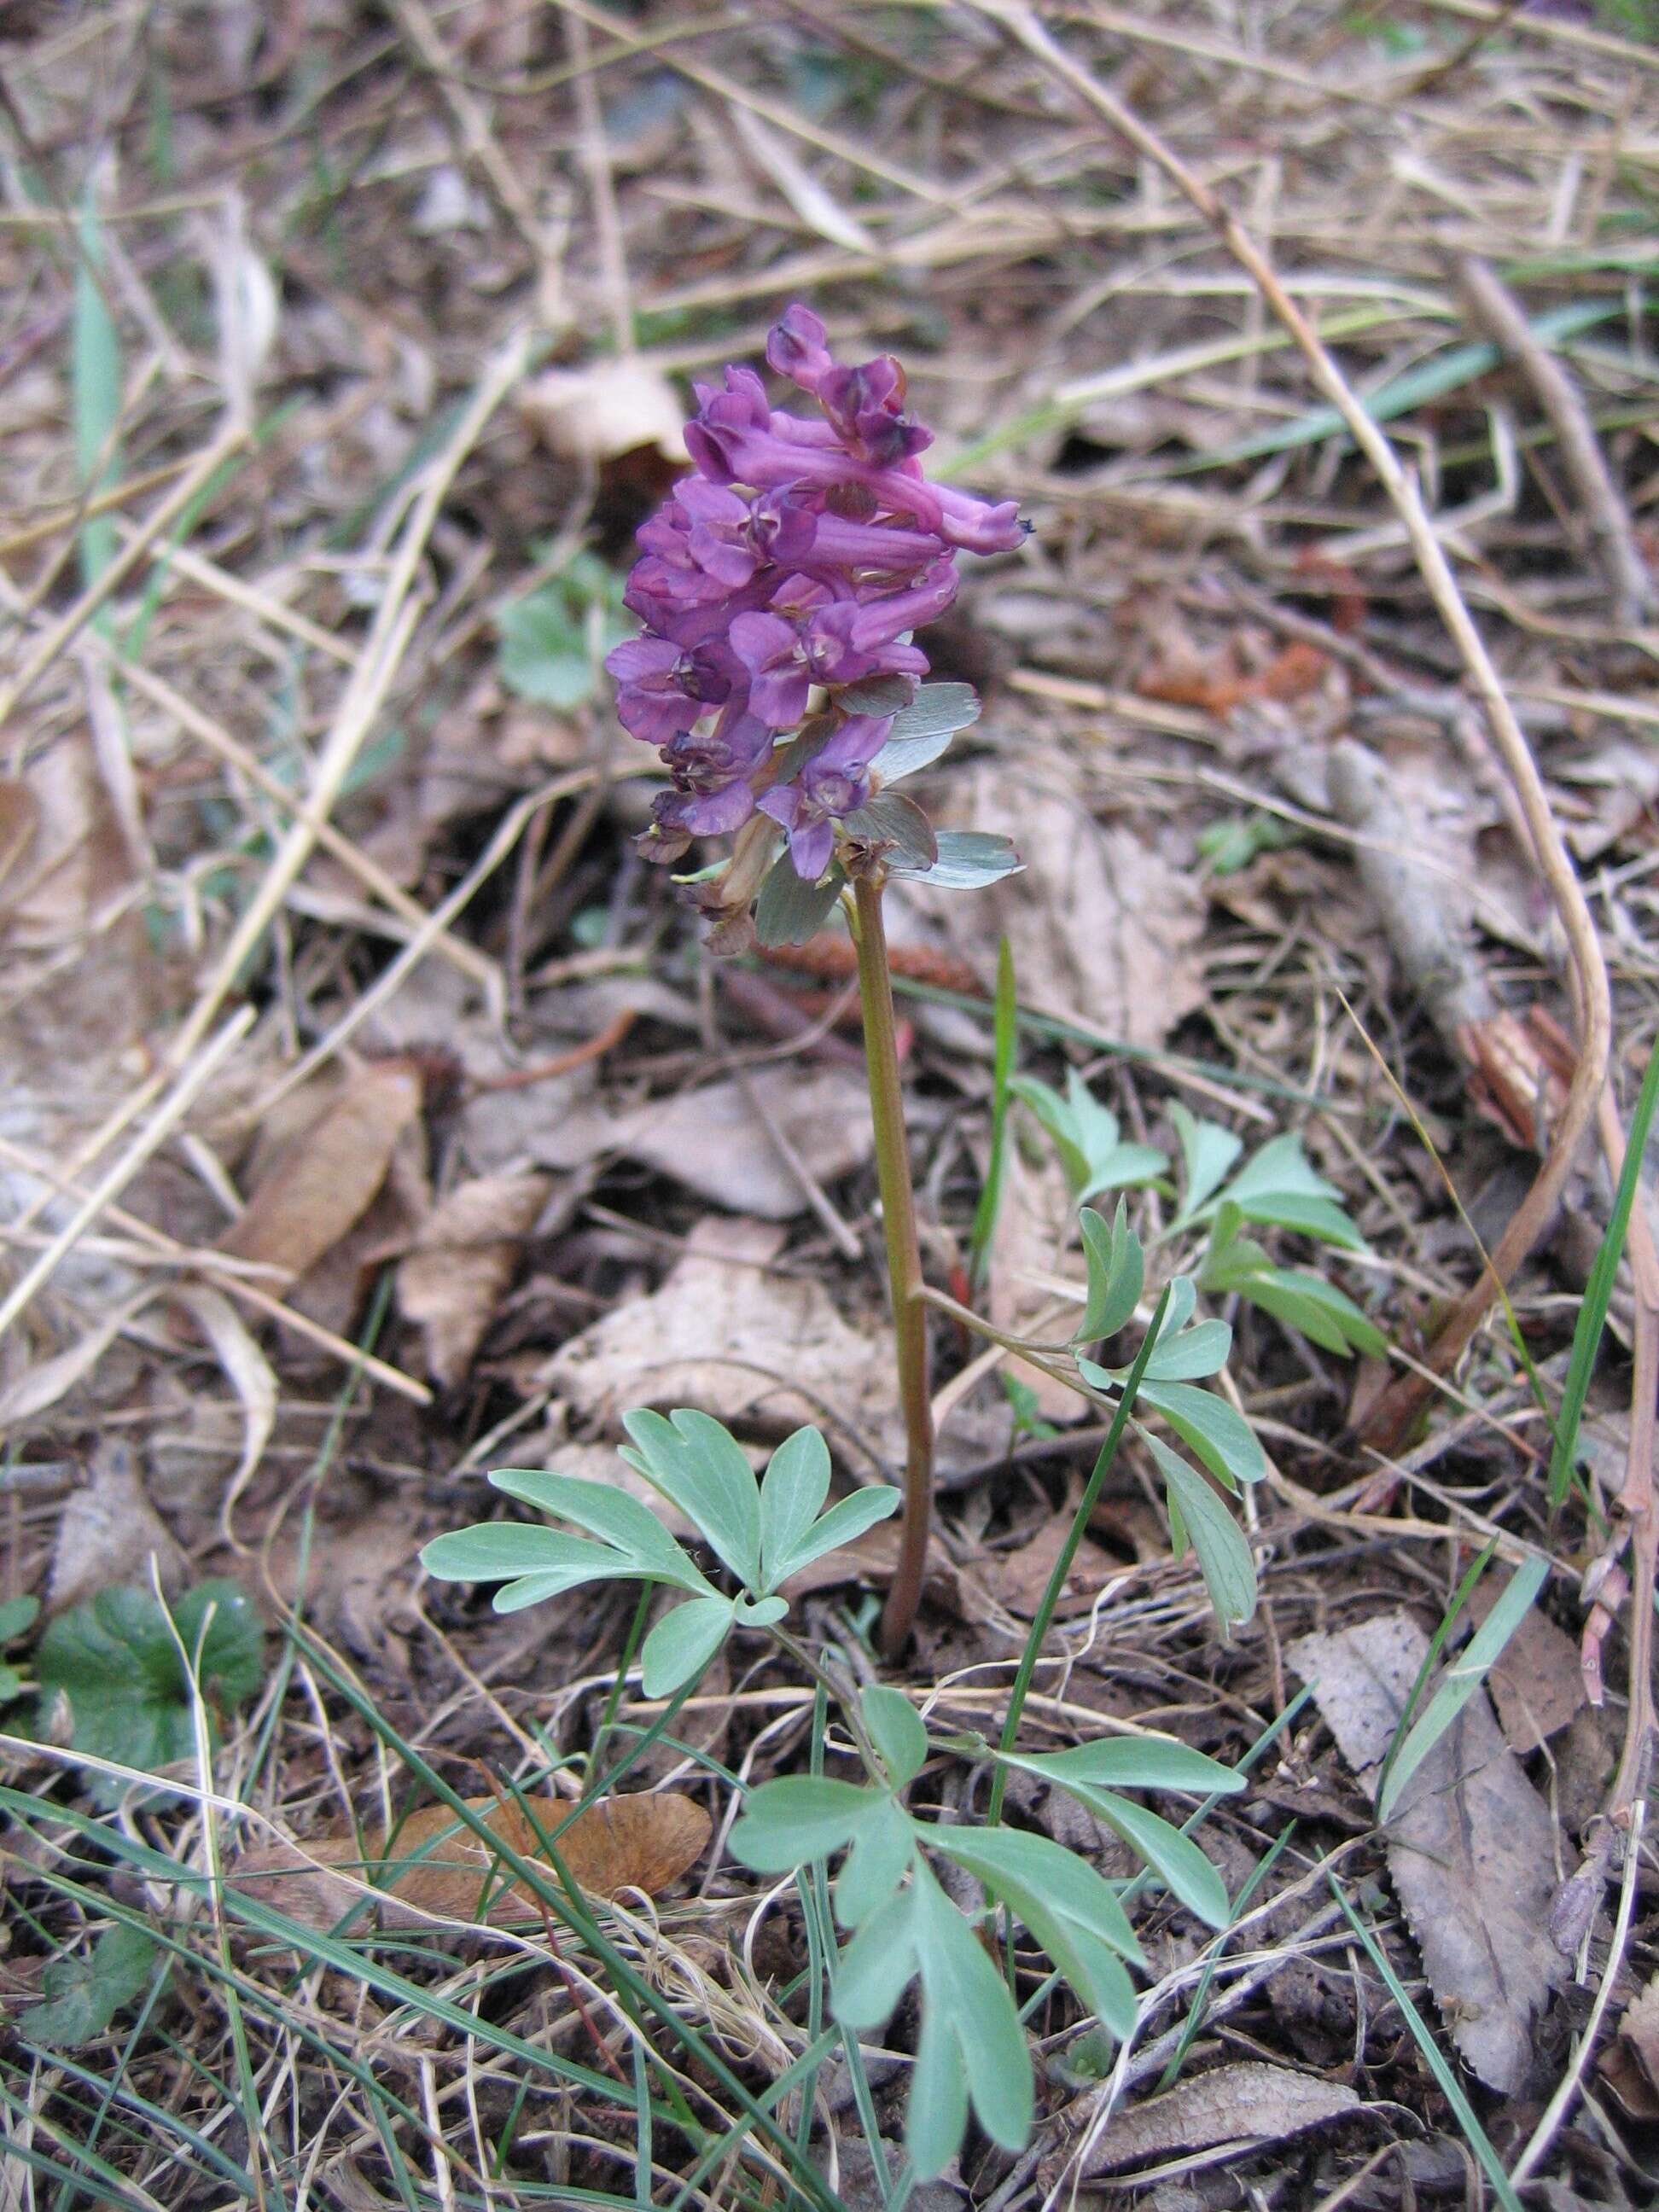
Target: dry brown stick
1637, 1505
221, 1269
69, 625
1399, 1404
1496, 311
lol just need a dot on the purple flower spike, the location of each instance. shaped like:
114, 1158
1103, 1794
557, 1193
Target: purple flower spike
795, 562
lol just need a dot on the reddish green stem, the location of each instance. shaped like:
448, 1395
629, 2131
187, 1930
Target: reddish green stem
898, 1208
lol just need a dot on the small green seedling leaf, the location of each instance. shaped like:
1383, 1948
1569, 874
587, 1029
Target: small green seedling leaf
17, 1616
897, 1731
1462, 1678
83, 1995
790, 912
554, 638
1025, 1407
117, 1665
1117, 1274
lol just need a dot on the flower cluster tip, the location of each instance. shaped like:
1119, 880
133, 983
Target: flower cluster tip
781, 580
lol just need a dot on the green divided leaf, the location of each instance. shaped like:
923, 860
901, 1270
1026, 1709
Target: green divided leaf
1217, 1431
118, 1665
799, 1818
846, 1520
897, 1731
1065, 1904
1143, 1762
878, 1862
1086, 1136
972, 2046
83, 1995
790, 912
894, 826
610, 1514
1224, 1559
968, 859
684, 1642
791, 1495
1134, 1762
698, 1465
922, 731
1117, 1272
1207, 1153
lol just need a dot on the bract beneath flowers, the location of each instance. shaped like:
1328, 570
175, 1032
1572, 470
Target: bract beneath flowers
794, 566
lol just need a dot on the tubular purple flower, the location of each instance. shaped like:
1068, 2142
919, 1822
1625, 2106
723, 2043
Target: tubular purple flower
835, 782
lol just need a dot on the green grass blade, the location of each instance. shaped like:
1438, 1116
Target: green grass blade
1062, 1567
95, 382
1462, 1679
1450, 2088
1598, 1293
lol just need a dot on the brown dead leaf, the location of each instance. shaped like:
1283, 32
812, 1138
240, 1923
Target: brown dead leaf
462, 1264
730, 1333
1021, 1576
641, 1841
1535, 1682
605, 410
1100, 923
19, 824
1234, 2105
718, 1140
1520, 1069
318, 1180
108, 1533
1471, 1849
1630, 2064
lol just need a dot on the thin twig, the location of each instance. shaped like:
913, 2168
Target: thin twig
1398, 1406
1495, 308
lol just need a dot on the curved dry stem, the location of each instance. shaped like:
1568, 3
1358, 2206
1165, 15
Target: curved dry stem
1399, 1404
